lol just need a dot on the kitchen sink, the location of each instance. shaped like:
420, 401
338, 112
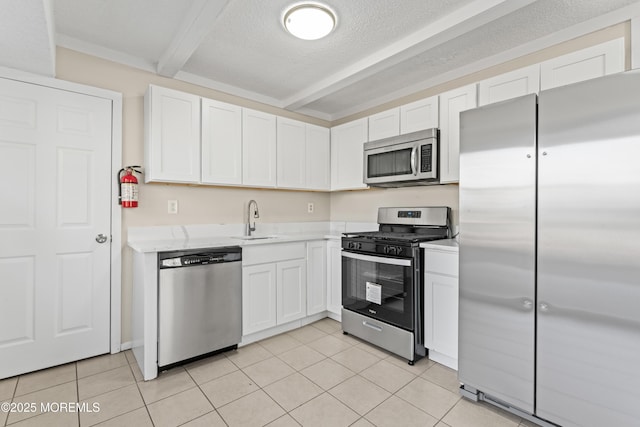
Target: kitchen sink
254, 237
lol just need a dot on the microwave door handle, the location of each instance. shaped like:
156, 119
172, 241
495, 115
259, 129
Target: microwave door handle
414, 160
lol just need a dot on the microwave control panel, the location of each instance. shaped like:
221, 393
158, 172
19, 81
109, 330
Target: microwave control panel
425, 157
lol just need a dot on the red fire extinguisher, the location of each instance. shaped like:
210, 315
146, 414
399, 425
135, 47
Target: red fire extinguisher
128, 190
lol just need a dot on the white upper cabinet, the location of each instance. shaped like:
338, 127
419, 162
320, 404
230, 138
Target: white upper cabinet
318, 158
419, 115
258, 148
384, 124
172, 136
452, 103
595, 61
291, 153
347, 155
510, 85
221, 143
303, 155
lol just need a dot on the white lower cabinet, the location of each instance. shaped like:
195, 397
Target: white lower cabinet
334, 278
316, 277
291, 290
441, 305
258, 298
274, 285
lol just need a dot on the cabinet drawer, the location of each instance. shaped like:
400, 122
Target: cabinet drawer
273, 253
442, 262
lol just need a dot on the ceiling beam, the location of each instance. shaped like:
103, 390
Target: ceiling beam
461, 21
194, 28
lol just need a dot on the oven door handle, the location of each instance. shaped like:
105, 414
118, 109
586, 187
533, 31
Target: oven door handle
378, 259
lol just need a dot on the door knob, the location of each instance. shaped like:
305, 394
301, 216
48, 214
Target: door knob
101, 238
544, 307
527, 304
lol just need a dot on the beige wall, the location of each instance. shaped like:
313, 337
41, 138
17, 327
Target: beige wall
197, 204
206, 205
362, 206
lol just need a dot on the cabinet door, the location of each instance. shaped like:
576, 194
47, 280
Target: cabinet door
258, 298
451, 104
419, 115
444, 314
316, 277
291, 290
595, 61
258, 148
291, 137
384, 124
318, 159
509, 85
221, 143
334, 276
347, 156
172, 136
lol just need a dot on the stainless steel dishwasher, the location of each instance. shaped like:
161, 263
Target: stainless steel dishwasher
199, 303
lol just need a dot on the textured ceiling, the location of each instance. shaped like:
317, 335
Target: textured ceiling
380, 50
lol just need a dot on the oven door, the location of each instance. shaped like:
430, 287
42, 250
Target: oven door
379, 287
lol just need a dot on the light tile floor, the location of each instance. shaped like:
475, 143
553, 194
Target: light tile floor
312, 376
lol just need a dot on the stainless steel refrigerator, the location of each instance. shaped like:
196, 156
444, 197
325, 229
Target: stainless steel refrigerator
550, 253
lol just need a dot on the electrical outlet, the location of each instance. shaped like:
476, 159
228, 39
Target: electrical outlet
172, 206
310, 207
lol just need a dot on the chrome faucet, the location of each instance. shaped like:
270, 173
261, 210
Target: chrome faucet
256, 214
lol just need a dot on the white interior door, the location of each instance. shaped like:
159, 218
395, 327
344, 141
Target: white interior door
55, 187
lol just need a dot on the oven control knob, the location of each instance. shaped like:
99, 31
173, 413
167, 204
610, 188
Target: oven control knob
358, 246
398, 250
386, 249
351, 245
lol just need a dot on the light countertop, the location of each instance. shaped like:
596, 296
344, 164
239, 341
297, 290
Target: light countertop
169, 238
450, 245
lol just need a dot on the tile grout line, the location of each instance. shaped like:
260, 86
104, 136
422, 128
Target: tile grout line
206, 397
75, 365
146, 407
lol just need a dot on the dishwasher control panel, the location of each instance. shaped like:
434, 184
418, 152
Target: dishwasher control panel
189, 258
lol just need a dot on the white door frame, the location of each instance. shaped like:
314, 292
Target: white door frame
116, 164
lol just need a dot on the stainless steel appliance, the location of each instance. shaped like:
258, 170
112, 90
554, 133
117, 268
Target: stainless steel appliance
382, 278
199, 303
405, 160
549, 254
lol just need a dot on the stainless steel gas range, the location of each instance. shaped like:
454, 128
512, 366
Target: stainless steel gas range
382, 284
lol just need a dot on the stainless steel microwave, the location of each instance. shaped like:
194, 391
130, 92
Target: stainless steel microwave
405, 160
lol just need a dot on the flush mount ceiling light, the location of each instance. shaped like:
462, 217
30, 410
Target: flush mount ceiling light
309, 21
